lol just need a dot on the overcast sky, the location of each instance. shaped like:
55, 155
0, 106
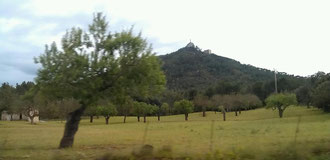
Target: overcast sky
292, 36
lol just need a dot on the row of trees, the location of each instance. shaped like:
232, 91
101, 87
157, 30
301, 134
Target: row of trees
16, 100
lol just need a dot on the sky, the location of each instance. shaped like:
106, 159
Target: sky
291, 36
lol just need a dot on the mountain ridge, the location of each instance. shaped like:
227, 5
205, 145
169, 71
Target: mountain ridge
191, 68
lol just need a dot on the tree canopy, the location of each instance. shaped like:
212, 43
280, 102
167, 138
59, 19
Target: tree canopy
93, 64
281, 101
184, 107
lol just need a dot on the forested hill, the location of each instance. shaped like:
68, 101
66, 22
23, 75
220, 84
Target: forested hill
191, 68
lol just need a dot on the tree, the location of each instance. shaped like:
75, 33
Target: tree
281, 101
201, 102
147, 109
138, 109
94, 64
321, 96
107, 111
165, 109
223, 111
124, 104
32, 100
225, 87
304, 96
7, 98
184, 107
91, 111
251, 101
170, 97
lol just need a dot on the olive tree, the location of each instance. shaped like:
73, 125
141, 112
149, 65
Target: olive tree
281, 101
184, 107
94, 64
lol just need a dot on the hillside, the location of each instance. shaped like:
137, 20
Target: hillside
192, 68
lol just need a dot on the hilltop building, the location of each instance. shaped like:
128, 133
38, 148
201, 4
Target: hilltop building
208, 51
192, 45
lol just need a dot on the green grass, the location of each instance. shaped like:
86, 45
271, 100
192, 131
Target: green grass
256, 134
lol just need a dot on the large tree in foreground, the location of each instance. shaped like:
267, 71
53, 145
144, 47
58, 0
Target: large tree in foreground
94, 64
281, 101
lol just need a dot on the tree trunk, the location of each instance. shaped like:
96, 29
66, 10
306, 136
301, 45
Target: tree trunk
71, 126
107, 120
11, 117
91, 119
186, 116
280, 111
224, 115
31, 119
144, 119
235, 112
138, 117
20, 116
239, 111
125, 118
158, 116
204, 114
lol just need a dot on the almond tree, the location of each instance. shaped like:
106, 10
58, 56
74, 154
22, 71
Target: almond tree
95, 64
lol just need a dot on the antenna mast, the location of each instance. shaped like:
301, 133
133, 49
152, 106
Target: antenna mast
275, 81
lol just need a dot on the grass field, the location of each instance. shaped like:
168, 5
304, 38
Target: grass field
256, 134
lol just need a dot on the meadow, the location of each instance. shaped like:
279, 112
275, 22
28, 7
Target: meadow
303, 133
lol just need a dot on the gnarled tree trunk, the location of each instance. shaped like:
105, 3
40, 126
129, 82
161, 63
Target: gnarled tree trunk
71, 127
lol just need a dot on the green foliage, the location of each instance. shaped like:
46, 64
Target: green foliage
236, 102
91, 111
189, 68
202, 103
304, 95
321, 96
7, 97
165, 109
107, 110
96, 63
281, 101
184, 106
143, 109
